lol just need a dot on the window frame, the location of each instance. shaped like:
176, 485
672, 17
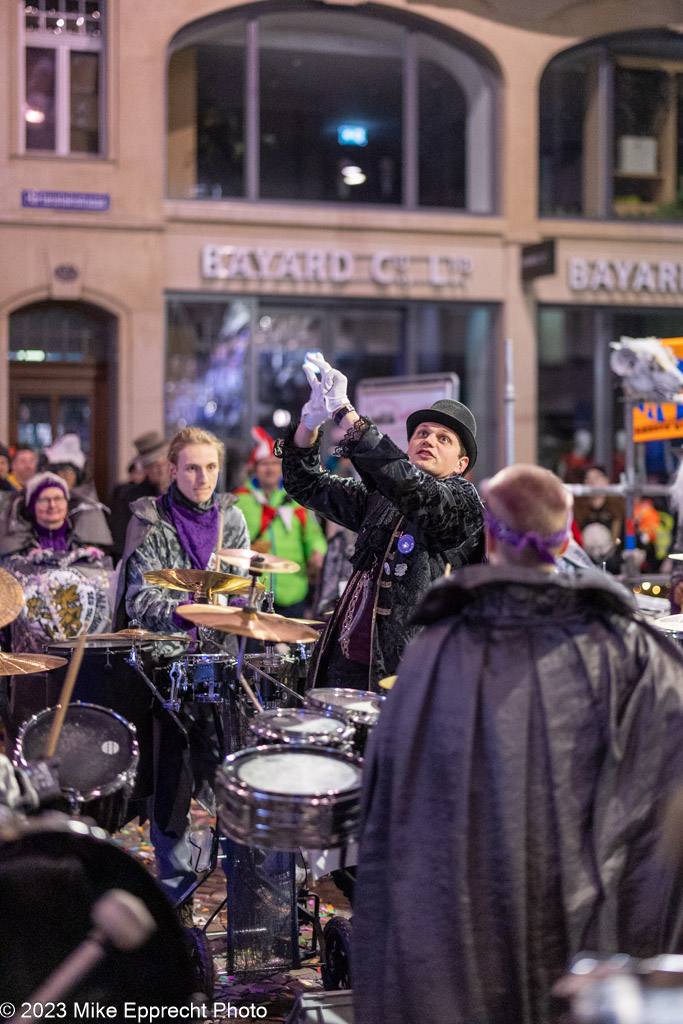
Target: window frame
63, 46
414, 26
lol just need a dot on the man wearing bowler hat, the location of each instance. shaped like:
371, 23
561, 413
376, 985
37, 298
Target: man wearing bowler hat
414, 513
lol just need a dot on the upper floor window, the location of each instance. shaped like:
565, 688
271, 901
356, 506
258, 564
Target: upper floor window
62, 95
611, 129
329, 106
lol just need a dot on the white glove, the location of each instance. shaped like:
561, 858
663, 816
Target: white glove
334, 384
313, 412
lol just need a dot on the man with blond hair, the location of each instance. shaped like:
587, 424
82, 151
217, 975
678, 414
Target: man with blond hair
514, 783
181, 529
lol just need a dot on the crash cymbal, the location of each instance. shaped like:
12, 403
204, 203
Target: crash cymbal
388, 682
257, 560
243, 622
141, 636
310, 622
11, 598
22, 664
201, 581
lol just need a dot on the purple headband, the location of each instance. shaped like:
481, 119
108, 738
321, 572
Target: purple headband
519, 541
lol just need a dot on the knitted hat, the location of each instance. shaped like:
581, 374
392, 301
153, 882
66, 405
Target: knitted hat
39, 483
264, 445
67, 450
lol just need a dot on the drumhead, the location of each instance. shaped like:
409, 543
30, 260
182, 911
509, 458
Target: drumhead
95, 747
93, 643
299, 725
296, 772
355, 705
52, 871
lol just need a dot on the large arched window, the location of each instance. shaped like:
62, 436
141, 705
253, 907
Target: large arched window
329, 106
611, 128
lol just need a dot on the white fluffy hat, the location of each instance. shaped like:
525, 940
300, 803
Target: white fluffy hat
66, 449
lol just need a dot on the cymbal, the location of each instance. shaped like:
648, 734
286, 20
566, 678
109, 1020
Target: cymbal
257, 560
388, 682
141, 636
310, 622
201, 580
23, 664
243, 622
11, 598
668, 622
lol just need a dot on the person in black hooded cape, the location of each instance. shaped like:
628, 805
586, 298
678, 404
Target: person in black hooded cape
514, 784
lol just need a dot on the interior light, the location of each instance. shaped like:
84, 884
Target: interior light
646, 586
353, 175
352, 135
34, 116
656, 589
80, 21
61, 22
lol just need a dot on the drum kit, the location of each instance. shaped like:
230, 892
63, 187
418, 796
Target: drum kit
291, 777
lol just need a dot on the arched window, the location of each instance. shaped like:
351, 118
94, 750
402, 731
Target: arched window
329, 106
611, 129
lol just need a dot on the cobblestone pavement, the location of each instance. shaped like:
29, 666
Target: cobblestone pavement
277, 992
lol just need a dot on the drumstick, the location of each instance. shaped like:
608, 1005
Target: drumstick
447, 569
250, 693
65, 696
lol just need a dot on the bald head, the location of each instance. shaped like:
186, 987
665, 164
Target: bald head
526, 500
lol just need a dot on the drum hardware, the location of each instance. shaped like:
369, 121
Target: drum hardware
268, 657
202, 583
141, 636
11, 598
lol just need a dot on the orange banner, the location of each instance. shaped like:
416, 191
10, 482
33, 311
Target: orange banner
660, 422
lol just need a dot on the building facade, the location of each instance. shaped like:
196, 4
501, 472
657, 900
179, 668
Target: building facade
194, 194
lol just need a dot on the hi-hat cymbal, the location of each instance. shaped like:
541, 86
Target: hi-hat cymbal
141, 636
201, 580
257, 560
243, 622
23, 664
11, 598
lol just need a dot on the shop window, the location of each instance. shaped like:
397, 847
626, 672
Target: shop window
318, 105
611, 129
62, 96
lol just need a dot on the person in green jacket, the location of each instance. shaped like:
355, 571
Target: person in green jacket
279, 525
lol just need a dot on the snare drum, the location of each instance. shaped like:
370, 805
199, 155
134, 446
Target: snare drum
280, 667
53, 869
297, 726
360, 708
289, 798
98, 757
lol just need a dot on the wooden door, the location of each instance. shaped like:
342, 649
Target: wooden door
57, 398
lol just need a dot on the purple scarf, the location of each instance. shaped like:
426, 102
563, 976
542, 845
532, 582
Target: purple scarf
52, 540
197, 527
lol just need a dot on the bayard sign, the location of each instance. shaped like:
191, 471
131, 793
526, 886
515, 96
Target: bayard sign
334, 266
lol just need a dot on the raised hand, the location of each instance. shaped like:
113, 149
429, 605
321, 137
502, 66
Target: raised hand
314, 412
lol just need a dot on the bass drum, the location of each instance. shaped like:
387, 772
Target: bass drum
53, 869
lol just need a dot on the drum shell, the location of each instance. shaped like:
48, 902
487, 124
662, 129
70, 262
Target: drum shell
52, 870
280, 667
106, 679
286, 821
105, 803
334, 700
270, 727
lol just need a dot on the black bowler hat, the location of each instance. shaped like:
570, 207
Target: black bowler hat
454, 415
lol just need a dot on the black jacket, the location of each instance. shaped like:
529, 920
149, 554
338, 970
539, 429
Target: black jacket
443, 519
513, 788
